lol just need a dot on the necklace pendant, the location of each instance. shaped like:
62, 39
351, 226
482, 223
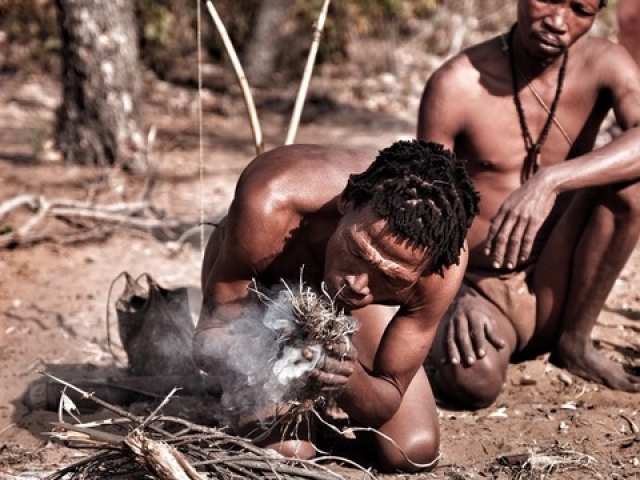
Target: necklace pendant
531, 164
536, 162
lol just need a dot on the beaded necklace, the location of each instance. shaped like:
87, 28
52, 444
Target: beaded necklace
532, 160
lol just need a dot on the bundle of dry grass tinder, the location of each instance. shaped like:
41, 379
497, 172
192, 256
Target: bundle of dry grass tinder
302, 319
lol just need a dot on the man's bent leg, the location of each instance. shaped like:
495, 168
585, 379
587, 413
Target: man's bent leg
606, 225
479, 384
410, 441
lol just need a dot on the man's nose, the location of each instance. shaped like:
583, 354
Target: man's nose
358, 284
557, 19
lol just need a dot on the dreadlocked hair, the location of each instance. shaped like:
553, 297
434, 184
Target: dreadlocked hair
424, 193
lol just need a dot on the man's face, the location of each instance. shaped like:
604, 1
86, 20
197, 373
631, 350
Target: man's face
547, 27
365, 264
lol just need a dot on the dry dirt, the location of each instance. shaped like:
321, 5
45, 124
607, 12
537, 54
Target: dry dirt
54, 296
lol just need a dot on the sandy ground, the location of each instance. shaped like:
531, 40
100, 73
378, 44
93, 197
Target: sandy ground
54, 297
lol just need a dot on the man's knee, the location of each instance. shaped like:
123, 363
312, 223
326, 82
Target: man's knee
416, 453
470, 387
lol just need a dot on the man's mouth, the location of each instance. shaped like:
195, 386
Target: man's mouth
550, 40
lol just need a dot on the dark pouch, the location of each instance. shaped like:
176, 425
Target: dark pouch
155, 327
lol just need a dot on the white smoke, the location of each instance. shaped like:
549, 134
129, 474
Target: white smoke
265, 362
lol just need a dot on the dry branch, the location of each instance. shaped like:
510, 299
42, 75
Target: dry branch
240, 75
16, 202
165, 461
244, 84
306, 77
87, 219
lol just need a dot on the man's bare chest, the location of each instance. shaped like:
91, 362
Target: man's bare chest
498, 137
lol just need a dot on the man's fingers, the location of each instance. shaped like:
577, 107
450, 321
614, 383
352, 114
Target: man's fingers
463, 340
332, 379
494, 228
493, 335
452, 347
499, 235
327, 364
515, 243
526, 245
479, 339
344, 349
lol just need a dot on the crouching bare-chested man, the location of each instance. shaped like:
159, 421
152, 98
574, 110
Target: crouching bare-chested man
390, 236
558, 219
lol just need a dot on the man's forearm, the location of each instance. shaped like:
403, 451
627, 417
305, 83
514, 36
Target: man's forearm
616, 162
368, 399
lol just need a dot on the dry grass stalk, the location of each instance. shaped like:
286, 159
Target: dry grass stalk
538, 465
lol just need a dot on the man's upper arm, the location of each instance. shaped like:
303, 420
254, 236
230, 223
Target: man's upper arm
622, 78
439, 118
244, 252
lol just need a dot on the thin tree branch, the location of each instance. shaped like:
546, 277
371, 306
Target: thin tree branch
244, 84
306, 76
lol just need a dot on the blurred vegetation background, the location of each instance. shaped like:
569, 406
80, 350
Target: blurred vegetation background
30, 41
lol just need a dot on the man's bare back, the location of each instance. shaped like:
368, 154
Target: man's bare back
548, 233
374, 239
291, 188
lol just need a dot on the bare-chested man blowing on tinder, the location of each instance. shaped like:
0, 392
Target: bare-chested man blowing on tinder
392, 235
558, 220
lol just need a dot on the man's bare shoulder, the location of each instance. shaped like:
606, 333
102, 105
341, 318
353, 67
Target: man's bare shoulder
605, 59
462, 72
594, 47
454, 91
303, 175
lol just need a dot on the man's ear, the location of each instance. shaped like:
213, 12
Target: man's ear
342, 204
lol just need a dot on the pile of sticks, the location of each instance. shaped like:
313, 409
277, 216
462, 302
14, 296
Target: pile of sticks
170, 448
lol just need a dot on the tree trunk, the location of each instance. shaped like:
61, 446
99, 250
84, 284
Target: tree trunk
99, 121
264, 42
